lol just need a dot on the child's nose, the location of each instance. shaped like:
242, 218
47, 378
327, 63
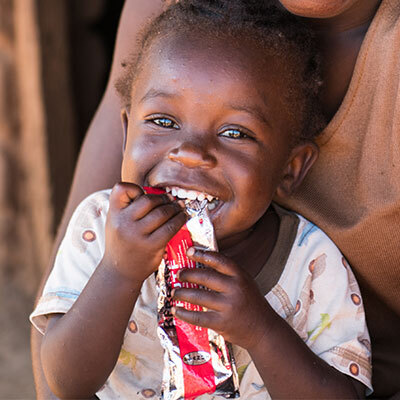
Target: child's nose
192, 155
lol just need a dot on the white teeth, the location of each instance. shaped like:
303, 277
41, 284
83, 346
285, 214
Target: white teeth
181, 194
189, 194
192, 195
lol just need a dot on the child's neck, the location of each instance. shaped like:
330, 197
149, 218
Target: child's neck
253, 251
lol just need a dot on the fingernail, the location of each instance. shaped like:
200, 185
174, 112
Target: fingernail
173, 310
172, 292
190, 251
181, 203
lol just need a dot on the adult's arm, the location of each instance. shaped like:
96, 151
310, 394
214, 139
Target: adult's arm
99, 161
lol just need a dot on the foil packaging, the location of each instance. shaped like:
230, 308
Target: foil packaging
196, 360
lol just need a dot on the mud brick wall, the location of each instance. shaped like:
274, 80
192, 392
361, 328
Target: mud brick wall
36, 133
27, 156
54, 60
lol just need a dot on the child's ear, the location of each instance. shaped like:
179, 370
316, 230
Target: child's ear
124, 120
302, 157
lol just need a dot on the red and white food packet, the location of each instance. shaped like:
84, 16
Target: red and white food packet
196, 360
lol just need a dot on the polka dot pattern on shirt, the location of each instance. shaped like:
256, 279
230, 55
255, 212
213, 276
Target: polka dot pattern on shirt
148, 393
356, 299
132, 326
354, 369
89, 236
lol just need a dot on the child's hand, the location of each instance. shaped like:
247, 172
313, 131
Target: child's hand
138, 228
235, 307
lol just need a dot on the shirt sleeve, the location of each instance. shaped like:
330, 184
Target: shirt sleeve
78, 256
319, 297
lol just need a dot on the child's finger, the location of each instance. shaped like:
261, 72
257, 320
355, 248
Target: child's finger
207, 277
123, 194
207, 319
201, 297
147, 203
159, 216
212, 259
165, 232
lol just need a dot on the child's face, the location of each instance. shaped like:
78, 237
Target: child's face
209, 117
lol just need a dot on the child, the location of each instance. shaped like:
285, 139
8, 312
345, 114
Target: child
221, 102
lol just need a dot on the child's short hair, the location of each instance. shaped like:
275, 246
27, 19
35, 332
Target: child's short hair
277, 33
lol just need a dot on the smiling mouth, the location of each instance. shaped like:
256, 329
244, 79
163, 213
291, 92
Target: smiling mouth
190, 195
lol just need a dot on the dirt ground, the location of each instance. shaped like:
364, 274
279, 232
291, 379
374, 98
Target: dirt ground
16, 380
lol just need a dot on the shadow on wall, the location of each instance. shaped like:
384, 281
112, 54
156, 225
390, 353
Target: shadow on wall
54, 60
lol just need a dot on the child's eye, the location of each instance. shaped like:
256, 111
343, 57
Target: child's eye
234, 134
164, 122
